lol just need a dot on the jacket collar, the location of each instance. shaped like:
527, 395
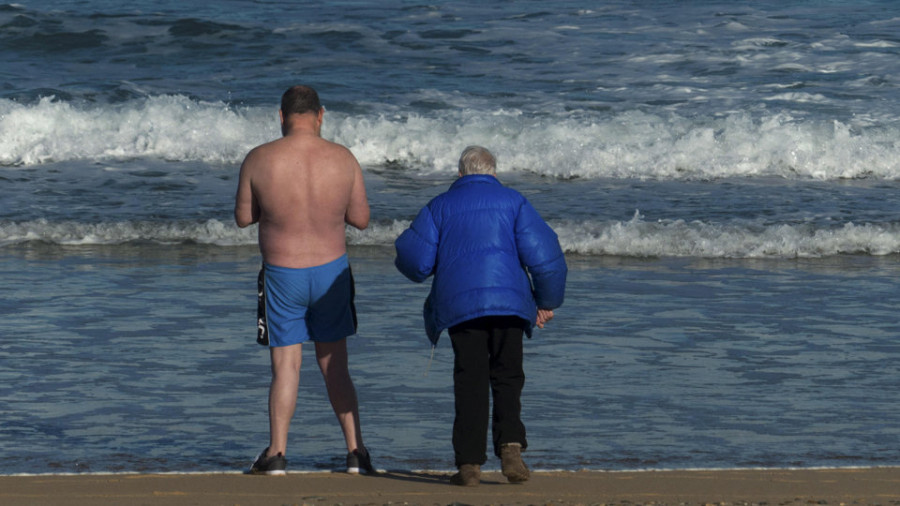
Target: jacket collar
475, 178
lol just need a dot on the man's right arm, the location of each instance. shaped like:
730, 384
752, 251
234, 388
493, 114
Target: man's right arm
246, 207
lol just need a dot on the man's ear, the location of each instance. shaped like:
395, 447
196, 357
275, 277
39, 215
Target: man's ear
281, 116
319, 116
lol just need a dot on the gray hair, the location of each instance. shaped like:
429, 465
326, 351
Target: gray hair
477, 160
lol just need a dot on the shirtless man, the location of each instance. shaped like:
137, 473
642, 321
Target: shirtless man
302, 189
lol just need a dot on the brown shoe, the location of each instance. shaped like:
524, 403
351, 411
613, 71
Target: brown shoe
511, 463
469, 475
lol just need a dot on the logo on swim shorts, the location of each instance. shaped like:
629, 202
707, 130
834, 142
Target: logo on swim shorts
262, 335
262, 330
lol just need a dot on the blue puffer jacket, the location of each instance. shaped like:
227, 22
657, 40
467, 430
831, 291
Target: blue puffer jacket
481, 240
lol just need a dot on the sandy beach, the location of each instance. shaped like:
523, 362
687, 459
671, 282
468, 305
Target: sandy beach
868, 486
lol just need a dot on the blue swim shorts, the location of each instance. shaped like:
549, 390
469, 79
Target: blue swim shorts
310, 304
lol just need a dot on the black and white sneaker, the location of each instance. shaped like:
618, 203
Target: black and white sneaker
272, 466
360, 462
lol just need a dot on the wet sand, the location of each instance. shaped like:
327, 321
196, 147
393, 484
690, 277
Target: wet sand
867, 486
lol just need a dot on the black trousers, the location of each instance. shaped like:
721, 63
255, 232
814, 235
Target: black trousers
487, 363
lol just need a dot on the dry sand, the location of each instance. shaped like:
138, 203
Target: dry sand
770, 487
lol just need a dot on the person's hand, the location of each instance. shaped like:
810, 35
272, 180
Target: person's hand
543, 316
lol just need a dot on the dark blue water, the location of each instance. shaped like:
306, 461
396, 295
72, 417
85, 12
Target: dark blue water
723, 178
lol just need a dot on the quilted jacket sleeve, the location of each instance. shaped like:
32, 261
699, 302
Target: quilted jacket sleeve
417, 247
541, 254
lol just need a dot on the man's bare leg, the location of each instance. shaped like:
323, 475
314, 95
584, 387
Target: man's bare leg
332, 359
286, 362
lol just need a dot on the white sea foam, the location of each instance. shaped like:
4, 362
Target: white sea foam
448, 470
74, 233
878, 44
630, 144
633, 238
678, 238
166, 127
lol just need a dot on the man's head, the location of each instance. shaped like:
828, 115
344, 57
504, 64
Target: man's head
477, 160
299, 100
296, 103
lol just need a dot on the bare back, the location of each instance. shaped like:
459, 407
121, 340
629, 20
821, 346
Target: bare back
302, 189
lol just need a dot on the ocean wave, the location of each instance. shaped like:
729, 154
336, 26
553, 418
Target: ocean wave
72, 233
633, 238
165, 127
679, 238
632, 144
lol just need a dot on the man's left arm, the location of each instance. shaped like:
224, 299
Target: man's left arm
358, 213
417, 247
541, 254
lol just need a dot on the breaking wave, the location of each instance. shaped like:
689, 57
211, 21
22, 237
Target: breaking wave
633, 238
619, 145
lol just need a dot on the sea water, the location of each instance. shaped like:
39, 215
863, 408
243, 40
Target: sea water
722, 176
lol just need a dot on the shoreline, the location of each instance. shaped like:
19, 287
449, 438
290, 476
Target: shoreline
833, 486
486, 469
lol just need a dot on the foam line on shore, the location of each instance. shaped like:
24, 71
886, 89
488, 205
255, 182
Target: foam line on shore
448, 471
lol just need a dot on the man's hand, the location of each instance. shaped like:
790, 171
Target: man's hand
543, 316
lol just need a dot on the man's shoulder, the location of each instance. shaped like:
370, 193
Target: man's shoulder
263, 150
333, 151
291, 147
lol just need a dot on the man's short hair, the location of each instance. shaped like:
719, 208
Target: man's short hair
477, 160
300, 100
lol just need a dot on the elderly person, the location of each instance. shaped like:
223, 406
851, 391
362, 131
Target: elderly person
498, 270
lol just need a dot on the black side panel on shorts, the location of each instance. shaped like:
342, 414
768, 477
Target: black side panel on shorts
262, 329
